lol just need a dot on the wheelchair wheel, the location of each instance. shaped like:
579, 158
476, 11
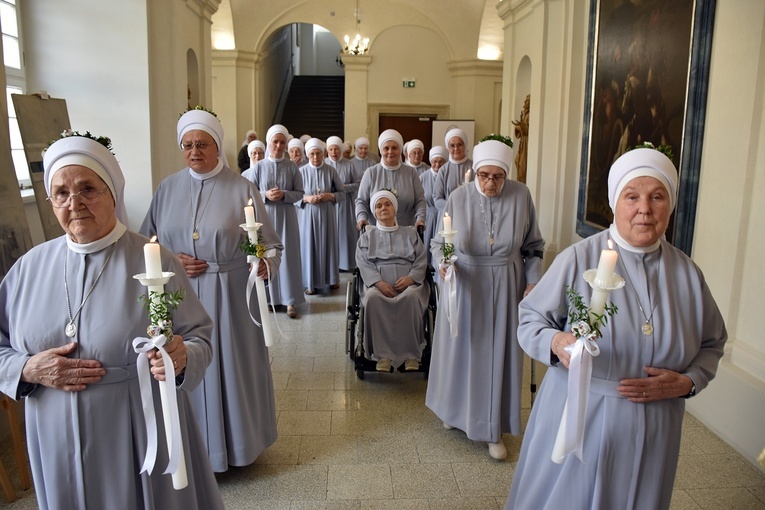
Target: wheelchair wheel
351, 314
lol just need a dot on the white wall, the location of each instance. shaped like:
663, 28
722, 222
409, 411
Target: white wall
89, 69
728, 241
394, 57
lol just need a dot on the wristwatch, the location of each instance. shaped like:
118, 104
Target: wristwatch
693, 390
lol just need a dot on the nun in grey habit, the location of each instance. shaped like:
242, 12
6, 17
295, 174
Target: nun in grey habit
318, 224
457, 171
392, 262
347, 233
196, 213
400, 179
475, 376
662, 346
69, 311
281, 186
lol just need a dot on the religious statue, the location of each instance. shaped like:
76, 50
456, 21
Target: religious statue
522, 133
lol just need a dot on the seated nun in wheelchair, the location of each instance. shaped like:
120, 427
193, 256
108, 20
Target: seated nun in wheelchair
392, 262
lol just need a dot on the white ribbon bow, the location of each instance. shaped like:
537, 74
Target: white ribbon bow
254, 281
142, 345
579, 372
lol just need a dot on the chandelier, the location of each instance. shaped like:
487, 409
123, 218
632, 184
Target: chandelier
357, 45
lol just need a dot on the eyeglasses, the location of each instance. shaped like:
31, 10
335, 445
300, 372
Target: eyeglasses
487, 177
86, 196
196, 145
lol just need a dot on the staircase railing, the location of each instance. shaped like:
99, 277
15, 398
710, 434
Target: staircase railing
286, 84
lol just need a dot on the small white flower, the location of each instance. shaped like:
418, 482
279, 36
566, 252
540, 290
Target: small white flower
581, 329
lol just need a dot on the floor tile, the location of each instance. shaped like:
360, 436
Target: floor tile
352, 482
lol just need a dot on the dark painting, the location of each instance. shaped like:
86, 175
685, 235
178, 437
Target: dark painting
642, 78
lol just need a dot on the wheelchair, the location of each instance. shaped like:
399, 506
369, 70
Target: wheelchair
354, 327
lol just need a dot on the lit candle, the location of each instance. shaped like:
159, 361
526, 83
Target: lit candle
467, 176
603, 278
249, 220
447, 222
249, 214
152, 259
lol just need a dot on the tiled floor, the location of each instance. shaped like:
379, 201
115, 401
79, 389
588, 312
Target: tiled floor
372, 444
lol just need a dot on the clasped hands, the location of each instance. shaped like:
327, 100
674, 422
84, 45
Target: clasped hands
55, 369
397, 288
318, 198
274, 194
660, 384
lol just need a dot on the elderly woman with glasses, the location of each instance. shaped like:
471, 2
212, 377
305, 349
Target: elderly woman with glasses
69, 310
662, 346
475, 372
196, 213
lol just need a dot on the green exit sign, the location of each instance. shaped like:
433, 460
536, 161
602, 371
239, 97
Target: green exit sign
408, 84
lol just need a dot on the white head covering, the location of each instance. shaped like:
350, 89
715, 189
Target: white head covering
247, 135
347, 146
383, 193
295, 142
275, 130
387, 135
314, 143
79, 150
438, 151
335, 140
255, 143
492, 152
362, 140
305, 138
640, 163
455, 132
202, 121
416, 143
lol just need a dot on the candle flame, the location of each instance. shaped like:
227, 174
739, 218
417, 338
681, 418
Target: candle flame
446, 214
250, 201
153, 239
610, 245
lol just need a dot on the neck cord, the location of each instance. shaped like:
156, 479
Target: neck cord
71, 329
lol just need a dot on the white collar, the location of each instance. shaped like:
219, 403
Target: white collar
390, 167
383, 228
99, 244
271, 158
209, 175
458, 162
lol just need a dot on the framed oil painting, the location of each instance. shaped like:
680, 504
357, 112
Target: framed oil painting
647, 76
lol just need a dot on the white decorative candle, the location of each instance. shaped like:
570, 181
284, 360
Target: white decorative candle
152, 259
447, 222
249, 220
153, 264
603, 278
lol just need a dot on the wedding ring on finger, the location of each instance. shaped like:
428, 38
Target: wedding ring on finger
175, 365
644, 394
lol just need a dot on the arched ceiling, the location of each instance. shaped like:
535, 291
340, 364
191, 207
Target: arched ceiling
244, 24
